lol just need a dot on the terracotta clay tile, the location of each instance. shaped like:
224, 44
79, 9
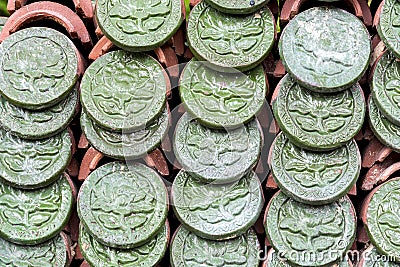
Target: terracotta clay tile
48, 10
89, 163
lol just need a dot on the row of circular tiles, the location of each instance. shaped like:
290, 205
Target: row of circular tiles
129, 216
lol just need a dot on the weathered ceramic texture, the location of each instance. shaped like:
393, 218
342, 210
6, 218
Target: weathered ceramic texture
139, 25
221, 99
147, 255
387, 132
383, 219
237, 6
124, 91
318, 121
231, 41
33, 163
126, 146
217, 212
52, 253
30, 217
217, 156
304, 234
314, 177
38, 67
386, 87
389, 26
333, 45
189, 250
29, 124
127, 213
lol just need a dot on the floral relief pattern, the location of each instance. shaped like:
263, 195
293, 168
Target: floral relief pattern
308, 229
114, 94
28, 157
118, 257
396, 16
230, 253
322, 115
131, 138
28, 209
311, 169
124, 206
389, 218
140, 17
225, 36
392, 82
32, 117
320, 51
34, 71
216, 204
35, 256
222, 93
216, 148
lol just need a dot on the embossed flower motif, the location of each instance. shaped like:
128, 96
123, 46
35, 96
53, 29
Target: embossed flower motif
123, 206
321, 52
20, 156
37, 257
118, 257
213, 149
217, 204
140, 17
392, 79
33, 70
323, 116
222, 93
396, 17
227, 38
114, 94
305, 230
29, 116
216, 254
27, 210
389, 218
311, 169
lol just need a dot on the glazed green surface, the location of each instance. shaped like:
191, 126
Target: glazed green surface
389, 26
147, 255
221, 99
29, 124
217, 212
295, 229
387, 132
126, 214
139, 25
386, 87
317, 121
383, 221
123, 91
52, 253
33, 163
230, 41
237, 6
333, 45
126, 146
217, 156
189, 250
38, 67
30, 217
314, 177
